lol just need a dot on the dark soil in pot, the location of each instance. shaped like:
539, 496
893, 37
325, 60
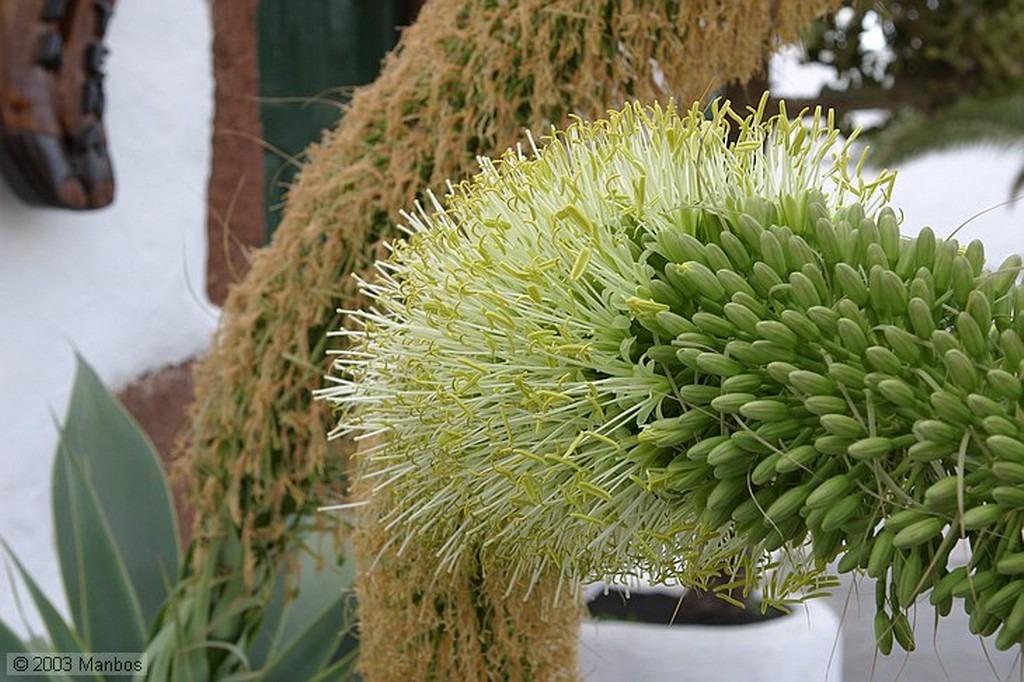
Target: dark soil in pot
695, 608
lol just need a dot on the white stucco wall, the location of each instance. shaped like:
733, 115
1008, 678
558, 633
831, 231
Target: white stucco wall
125, 286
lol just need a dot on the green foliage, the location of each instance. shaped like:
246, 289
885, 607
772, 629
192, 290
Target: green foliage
969, 121
117, 540
649, 348
300, 638
213, 628
10, 642
949, 74
117, 536
62, 636
943, 50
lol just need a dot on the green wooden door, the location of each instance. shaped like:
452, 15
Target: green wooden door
311, 53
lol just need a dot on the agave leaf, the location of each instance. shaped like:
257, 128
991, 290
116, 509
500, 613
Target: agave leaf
173, 654
63, 638
10, 643
189, 624
308, 651
302, 638
343, 669
324, 578
244, 676
102, 601
1018, 184
265, 638
121, 468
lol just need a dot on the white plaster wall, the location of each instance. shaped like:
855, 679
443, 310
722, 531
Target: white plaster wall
125, 286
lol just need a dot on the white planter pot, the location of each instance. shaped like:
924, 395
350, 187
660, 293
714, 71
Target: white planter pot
804, 646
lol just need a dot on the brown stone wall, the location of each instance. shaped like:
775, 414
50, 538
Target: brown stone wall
159, 402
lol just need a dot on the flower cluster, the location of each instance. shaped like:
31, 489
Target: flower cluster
686, 345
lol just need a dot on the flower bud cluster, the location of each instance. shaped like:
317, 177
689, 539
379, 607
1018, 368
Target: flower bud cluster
664, 340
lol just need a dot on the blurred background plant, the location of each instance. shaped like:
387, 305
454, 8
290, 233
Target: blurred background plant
934, 74
120, 558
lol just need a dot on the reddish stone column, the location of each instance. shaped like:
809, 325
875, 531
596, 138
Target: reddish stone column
235, 191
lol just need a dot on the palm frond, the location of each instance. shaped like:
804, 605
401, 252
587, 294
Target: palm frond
969, 122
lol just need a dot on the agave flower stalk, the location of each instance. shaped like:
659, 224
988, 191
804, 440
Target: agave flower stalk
690, 344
